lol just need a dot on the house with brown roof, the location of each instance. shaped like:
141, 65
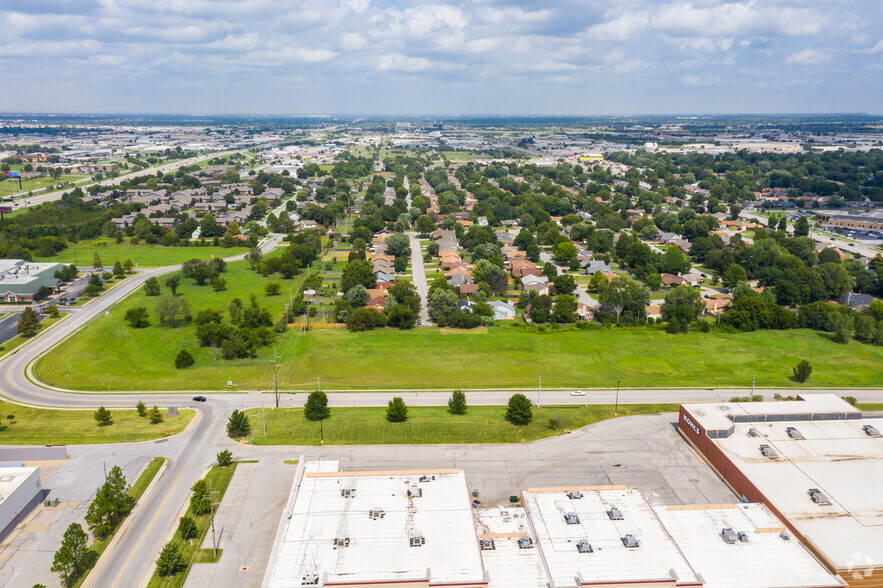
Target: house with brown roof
468, 289
520, 268
671, 280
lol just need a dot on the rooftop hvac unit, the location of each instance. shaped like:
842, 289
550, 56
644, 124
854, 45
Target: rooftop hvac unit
615, 514
525, 542
752, 432
794, 433
341, 542
574, 495
743, 536
415, 492
729, 535
426, 478
784, 535
630, 541
571, 518
818, 496
583, 546
310, 580
871, 431
769, 452
487, 544
417, 541
348, 492
376, 513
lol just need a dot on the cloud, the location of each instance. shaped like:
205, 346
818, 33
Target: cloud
808, 57
357, 5
397, 62
878, 48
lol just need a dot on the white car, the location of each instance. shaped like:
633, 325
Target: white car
578, 393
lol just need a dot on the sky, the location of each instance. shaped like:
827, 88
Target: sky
424, 57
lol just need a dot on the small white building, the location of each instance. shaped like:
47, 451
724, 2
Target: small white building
20, 491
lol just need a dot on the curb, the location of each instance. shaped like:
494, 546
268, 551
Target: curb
93, 573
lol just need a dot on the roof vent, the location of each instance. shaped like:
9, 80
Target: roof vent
426, 479
729, 535
341, 542
571, 518
487, 544
615, 514
525, 542
752, 432
794, 433
376, 513
583, 546
769, 452
871, 431
574, 495
743, 536
630, 541
415, 492
310, 580
784, 535
417, 541
348, 492
818, 496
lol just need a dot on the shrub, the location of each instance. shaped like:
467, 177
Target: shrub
457, 403
225, 458
519, 409
169, 560
316, 407
187, 528
802, 371
183, 360
397, 411
238, 425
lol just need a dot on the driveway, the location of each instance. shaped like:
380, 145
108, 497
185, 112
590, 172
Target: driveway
418, 275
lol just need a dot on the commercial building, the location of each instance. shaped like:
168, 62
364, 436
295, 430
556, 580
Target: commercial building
418, 529
408, 529
817, 463
20, 491
851, 221
20, 280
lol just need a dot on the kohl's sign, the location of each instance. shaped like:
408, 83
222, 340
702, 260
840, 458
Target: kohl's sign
691, 424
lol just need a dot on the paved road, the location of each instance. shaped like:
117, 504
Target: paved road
862, 248
418, 275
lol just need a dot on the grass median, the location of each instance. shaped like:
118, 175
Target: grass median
191, 551
431, 424
36, 426
143, 254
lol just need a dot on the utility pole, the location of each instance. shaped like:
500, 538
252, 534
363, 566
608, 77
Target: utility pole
540, 392
276, 375
264, 420
212, 510
616, 407
752, 385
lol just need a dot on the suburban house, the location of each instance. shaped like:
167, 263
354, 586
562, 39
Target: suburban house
596, 265
853, 300
502, 310
538, 284
671, 280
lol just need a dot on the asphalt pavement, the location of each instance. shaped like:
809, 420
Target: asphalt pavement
418, 275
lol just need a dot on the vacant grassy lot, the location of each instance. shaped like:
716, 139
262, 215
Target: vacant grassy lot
480, 424
110, 354
34, 426
144, 255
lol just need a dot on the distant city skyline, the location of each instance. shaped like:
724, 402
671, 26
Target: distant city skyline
506, 57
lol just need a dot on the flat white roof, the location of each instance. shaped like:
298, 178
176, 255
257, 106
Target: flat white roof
765, 560
330, 505
12, 478
836, 457
507, 564
656, 556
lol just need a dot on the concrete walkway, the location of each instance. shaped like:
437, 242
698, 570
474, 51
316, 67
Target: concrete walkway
418, 273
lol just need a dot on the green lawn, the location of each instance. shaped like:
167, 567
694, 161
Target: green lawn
108, 343
137, 489
18, 340
144, 255
480, 424
9, 186
190, 551
34, 426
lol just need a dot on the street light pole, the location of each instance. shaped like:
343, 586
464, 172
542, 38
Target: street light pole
540, 392
616, 407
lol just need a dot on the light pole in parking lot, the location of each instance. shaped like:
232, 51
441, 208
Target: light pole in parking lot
616, 406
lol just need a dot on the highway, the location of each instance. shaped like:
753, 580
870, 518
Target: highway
190, 452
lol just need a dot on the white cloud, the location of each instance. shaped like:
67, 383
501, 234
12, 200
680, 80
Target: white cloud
808, 57
398, 62
878, 48
357, 5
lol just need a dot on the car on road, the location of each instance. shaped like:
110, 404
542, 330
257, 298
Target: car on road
419, 323
199, 398
578, 393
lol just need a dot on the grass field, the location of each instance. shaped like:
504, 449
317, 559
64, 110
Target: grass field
190, 551
149, 353
34, 426
18, 340
109, 354
10, 185
480, 424
144, 255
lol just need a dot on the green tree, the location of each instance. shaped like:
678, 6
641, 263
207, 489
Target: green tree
219, 284
102, 416
564, 284
155, 415
172, 284
801, 227
402, 317
598, 280
865, 328
187, 528
653, 281
802, 370
254, 257
492, 274
137, 317
183, 360
96, 261
624, 294
238, 425
841, 326
442, 302
112, 503
358, 271
71, 559
734, 275
141, 408
273, 288
398, 245
128, 265
674, 261
457, 402
316, 406
519, 409
151, 287
28, 322
357, 296
397, 410
118, 271
172, 308
225, 458
683, 304
169, 561
199, 498
564, 252
565, 309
